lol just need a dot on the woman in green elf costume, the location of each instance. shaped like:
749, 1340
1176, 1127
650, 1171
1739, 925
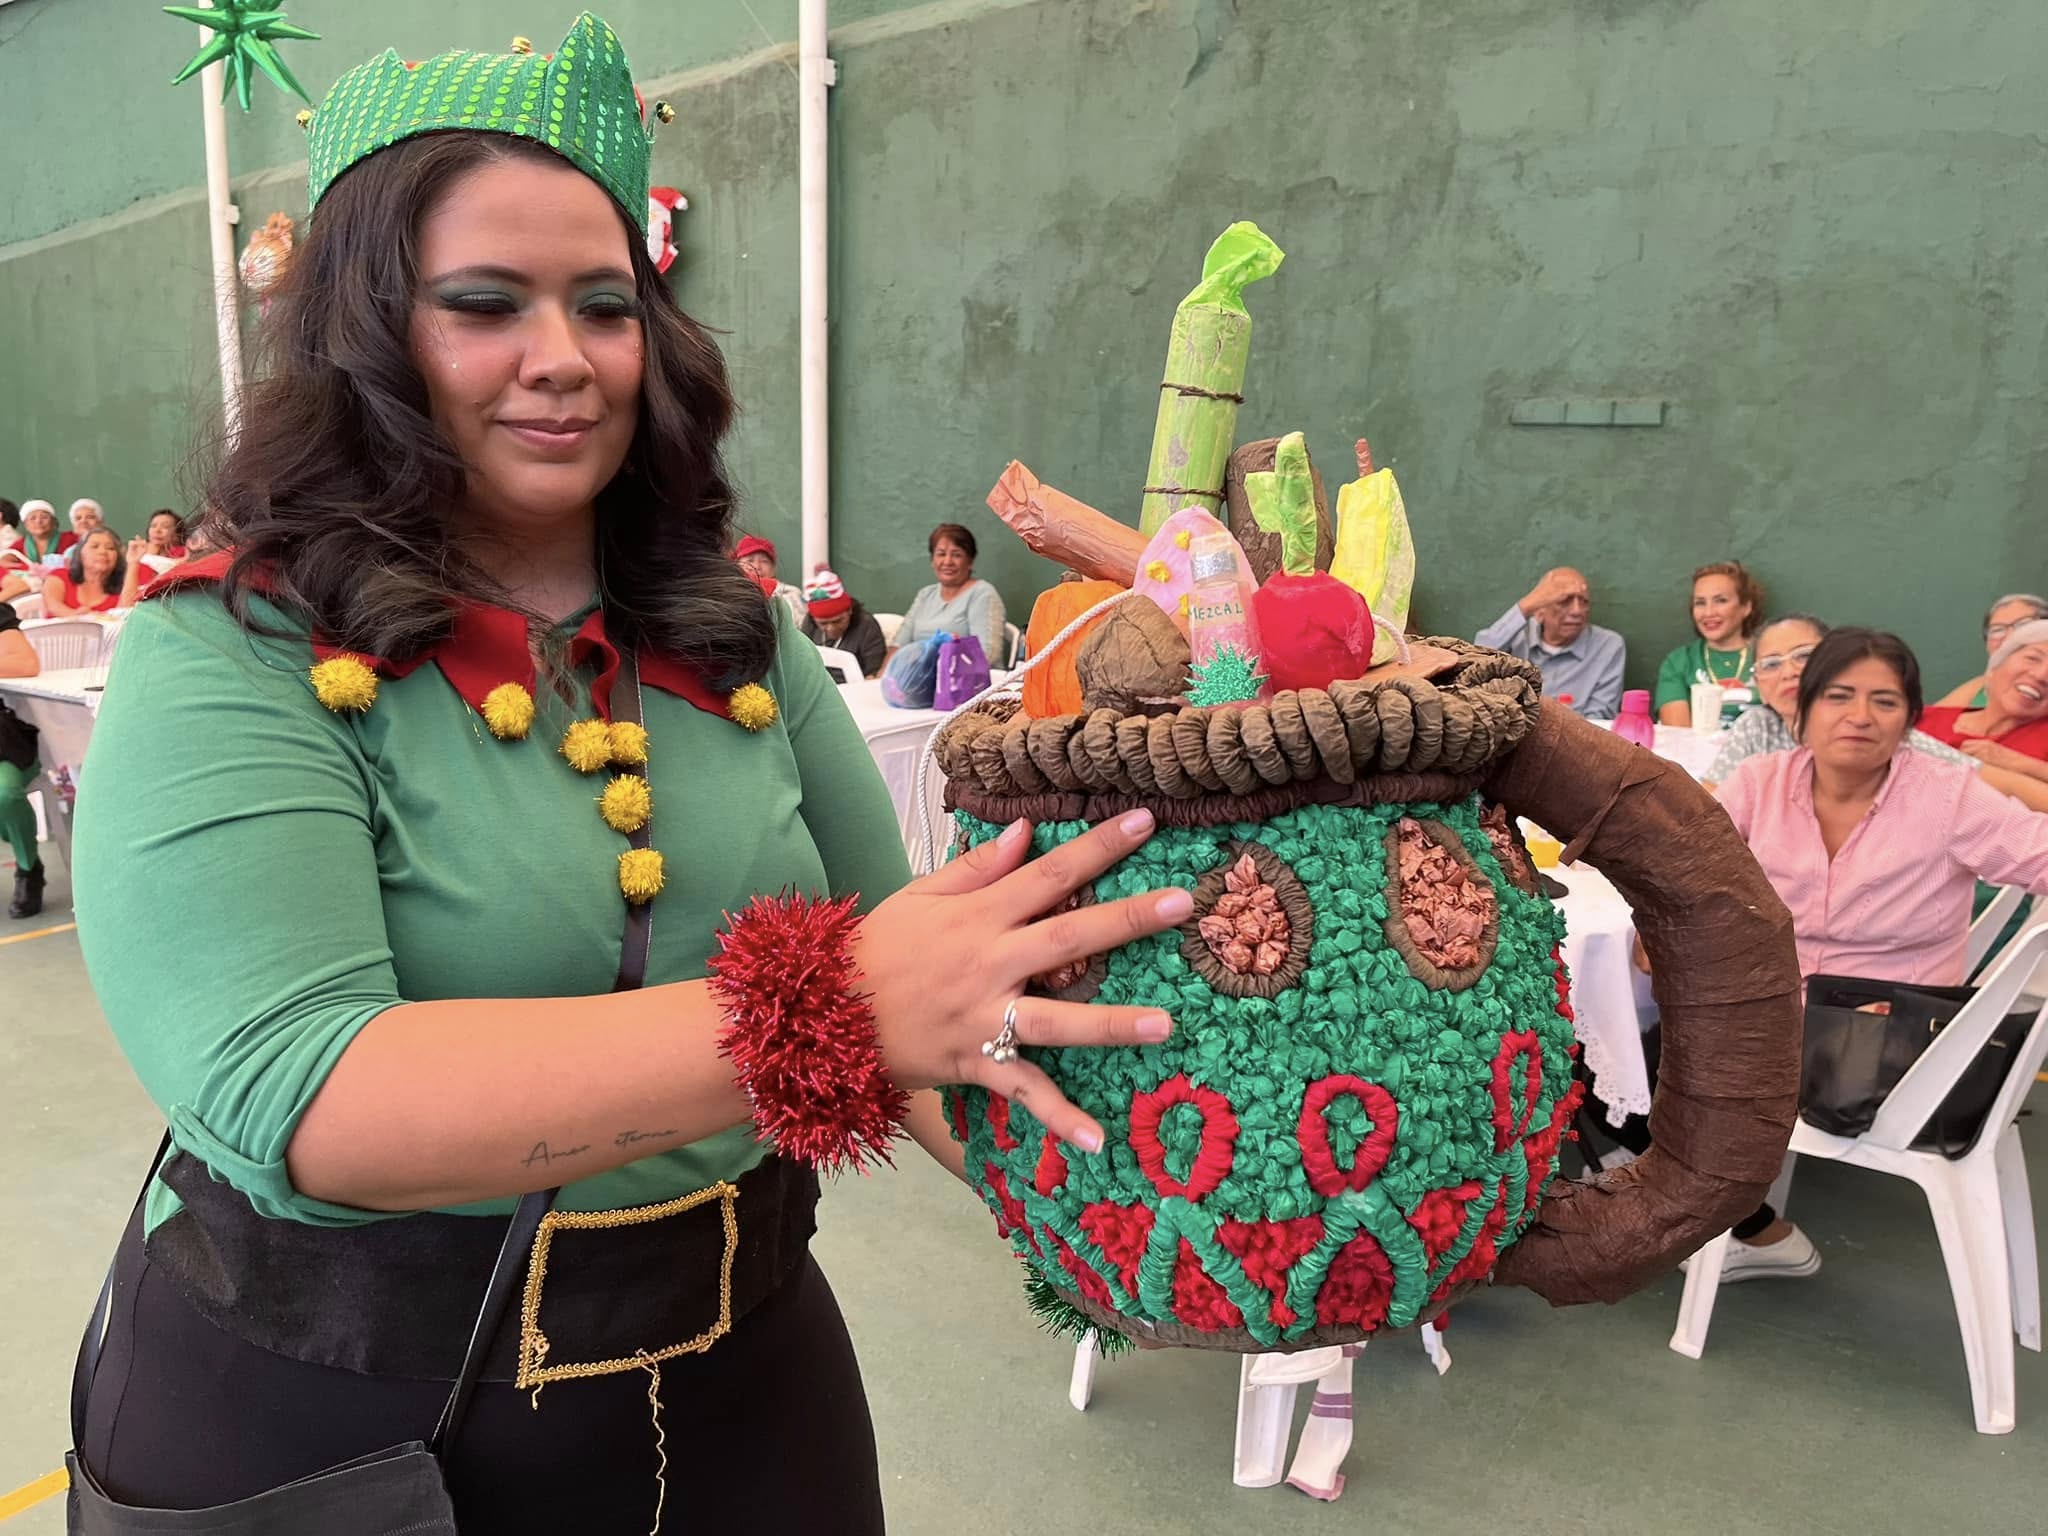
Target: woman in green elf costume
452, 766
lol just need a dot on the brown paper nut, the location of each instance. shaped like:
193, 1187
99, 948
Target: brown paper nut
1258, 970
1132, 661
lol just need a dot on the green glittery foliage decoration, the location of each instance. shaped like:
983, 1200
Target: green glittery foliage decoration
579, 101
1063, 1320
245, 38
1228, 677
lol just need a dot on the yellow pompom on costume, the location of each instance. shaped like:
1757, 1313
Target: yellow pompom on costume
508, 711
345, 684
640, 876
626, 803
588, 745
752, 706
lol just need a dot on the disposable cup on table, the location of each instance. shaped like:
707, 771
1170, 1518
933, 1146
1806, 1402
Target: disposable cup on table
1706, 708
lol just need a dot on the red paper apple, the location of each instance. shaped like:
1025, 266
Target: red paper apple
1314, 629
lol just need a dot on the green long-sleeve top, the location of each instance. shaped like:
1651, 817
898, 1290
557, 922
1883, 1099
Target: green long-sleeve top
316, 868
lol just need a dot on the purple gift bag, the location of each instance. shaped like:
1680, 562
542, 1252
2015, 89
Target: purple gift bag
963, 672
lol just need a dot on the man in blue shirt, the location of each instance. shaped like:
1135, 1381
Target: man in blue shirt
1581, 662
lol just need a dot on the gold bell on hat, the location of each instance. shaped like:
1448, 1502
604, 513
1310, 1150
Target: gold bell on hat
664, 112
522, 45
305, 118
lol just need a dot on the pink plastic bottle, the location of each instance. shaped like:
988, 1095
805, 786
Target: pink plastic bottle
1634, 723
1218, 614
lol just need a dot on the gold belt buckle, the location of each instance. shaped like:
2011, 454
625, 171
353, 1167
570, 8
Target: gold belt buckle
533, 1344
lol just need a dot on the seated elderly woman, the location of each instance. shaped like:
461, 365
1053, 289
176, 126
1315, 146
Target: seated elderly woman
40, 540
2000, 620
1783, 647
1875, 849
2010, 730
17, 767
957, 603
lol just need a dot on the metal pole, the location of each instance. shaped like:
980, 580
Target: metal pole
815, 74
221, 218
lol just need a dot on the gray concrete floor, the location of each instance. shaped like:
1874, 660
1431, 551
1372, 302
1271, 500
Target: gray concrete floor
1836, 1404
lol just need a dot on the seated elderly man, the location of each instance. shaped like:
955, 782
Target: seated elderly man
1552, 626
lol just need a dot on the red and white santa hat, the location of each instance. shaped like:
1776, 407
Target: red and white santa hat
825, 595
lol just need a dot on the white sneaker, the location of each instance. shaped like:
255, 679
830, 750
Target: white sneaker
1791, 1257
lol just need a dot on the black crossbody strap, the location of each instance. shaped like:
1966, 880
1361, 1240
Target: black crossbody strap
96, 1330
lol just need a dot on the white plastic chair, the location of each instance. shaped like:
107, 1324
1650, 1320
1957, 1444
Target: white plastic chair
1988, 925
61, 644
844, 666
1983, 1212
29, 605
889, 623
1013, 642
1266, 1385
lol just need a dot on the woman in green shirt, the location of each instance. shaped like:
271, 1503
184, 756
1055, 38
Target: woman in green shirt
1727, 610
475, 725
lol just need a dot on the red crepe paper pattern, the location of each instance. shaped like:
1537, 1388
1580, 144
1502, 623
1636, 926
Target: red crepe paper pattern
1052, 1168
999, 1123
1219, 1136
1268, 1250
1121, 1232
1478, 1264
1086, 1281
801, 1035
1318, 1161
1510, 1124
1199, 1301
1359, 1287
1441, 1217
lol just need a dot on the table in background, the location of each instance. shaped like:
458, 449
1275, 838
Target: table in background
1608, 992
896, 739
61, 705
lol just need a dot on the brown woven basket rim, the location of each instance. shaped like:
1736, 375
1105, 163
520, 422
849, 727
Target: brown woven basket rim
1471, 714
1214, 810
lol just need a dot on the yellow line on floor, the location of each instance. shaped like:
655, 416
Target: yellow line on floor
31, 1494
37, 933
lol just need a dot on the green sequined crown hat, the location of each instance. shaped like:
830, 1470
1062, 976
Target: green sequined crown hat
579, 101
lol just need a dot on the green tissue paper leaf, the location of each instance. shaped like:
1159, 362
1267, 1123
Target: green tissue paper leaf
1283, 501
1242, 255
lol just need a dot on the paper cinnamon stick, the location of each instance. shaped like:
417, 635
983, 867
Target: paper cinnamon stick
1062, 529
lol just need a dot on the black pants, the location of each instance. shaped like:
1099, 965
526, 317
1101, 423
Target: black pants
767, 1433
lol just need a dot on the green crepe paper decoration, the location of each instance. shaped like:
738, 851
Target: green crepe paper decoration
244, 37
1241, 255
1227, 677
1283, 501
1206, 351
1063, 1320
579, 102
1357, 1009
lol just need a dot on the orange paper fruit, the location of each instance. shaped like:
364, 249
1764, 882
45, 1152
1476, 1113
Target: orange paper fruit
1054, 688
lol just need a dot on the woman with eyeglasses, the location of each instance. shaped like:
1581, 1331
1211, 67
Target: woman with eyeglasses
2000, 620
1782, 649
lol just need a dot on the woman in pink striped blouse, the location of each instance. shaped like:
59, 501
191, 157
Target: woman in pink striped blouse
1876, 851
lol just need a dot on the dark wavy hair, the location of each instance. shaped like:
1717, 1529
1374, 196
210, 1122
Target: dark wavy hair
75, 565
335, 495
1841, 650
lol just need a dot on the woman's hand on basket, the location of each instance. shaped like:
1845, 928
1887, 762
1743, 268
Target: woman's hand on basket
946, 956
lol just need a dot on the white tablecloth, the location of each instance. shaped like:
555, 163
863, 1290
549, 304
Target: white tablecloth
61, 705
1607, 989
896, 738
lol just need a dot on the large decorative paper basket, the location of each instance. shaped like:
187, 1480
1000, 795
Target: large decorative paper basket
1372, 1063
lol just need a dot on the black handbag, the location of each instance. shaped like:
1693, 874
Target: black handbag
1852, 1060
394, 1492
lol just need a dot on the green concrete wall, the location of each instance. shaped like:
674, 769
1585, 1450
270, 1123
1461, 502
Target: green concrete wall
1814, 231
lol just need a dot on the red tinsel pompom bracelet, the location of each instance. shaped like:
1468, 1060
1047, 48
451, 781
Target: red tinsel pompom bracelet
801, 1035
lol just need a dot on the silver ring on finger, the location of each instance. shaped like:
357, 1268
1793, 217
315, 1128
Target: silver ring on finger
1003, 1049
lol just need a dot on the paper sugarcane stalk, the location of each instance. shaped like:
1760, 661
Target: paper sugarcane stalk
1204, 379
1072, 533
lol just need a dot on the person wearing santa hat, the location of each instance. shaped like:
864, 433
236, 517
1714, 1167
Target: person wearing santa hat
757, 558
836, 619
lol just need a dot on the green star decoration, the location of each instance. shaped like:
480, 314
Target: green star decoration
246, 38
1229, 677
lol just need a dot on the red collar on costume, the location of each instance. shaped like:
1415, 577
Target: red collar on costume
485, 648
